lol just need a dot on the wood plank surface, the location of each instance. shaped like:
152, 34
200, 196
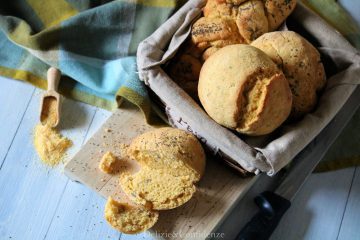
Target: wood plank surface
350, 225
194, 220
13, 107
318, 208
77, 207
31, 190
245, 209
80, 207
33, 195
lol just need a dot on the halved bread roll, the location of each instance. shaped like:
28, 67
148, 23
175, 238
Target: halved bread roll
171, 160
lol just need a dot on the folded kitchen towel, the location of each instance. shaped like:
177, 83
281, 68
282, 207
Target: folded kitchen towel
93, 43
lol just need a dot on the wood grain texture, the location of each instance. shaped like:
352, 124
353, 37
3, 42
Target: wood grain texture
31, 191
217, 194
36, 201
124, 124
318, 208
245, 209
12, 111
80, 207
217, 191
351, 220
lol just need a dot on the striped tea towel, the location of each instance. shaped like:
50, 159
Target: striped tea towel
92, 42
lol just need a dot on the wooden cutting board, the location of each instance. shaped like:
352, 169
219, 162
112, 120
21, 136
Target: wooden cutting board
216, 195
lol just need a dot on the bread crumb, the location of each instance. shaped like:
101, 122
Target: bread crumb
50, 145
157, 188
107, 163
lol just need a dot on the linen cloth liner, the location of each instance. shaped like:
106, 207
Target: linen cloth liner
274, 151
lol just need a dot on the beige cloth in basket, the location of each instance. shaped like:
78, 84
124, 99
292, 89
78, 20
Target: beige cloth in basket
254, 154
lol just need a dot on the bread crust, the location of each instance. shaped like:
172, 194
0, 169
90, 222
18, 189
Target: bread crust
301, 65
215, 32
170, 148
240, 88
277, 11
252, 18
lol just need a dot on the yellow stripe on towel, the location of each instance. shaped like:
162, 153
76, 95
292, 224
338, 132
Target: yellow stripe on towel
60, 10
70, 93
23, 76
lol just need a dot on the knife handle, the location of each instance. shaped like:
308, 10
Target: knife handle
262, 225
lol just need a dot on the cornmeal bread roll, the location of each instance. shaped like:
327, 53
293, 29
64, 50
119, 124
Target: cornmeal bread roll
215, 33
274, 11
227, 22
178, 151
242, 89
301, 65
129, 219
171, 160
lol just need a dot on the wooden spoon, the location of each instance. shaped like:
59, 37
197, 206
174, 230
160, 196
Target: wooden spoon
50, 104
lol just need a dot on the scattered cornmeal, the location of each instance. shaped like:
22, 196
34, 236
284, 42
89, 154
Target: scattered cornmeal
49, 114
50, 145
108, 163
129, 219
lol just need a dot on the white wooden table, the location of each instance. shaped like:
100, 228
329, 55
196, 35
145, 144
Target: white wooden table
41, 203
37, 202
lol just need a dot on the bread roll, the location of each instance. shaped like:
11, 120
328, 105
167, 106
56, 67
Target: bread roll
227, 22
171, 160
242, 89
129, 219
277, 11
217, 32
251, 20
301, 65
